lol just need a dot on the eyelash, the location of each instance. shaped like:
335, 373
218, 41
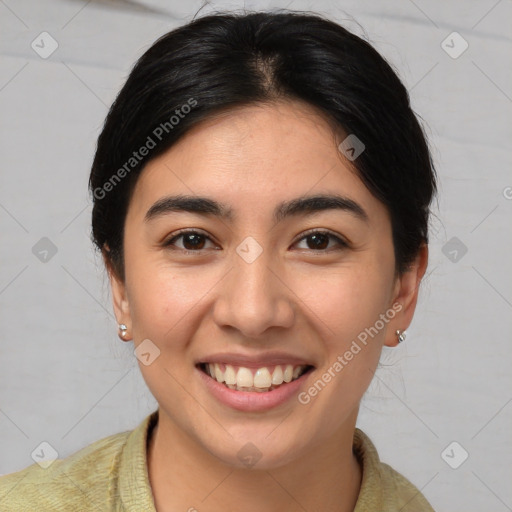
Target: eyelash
170, 242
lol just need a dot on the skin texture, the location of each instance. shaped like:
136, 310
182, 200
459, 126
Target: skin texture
293, 298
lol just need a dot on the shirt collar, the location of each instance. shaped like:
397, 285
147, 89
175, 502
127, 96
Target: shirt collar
370, 494
134, 487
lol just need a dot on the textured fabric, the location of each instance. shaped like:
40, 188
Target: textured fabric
382, 488
111, 475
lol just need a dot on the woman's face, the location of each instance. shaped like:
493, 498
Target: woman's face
259, 290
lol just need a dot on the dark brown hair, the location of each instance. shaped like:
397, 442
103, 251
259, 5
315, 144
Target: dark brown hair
227, 60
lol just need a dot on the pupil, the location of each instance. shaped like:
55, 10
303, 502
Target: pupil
318, 243
189, 239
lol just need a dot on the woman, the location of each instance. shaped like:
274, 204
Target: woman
261, 201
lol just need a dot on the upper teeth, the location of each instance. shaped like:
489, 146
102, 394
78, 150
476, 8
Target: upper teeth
242, 377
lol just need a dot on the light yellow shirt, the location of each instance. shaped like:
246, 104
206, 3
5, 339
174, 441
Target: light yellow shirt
110, 475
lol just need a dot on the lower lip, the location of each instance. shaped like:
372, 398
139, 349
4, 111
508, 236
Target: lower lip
252, 401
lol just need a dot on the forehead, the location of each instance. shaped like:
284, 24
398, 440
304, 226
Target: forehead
255, 156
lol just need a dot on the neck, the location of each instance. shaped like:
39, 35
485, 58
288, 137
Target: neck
183, 476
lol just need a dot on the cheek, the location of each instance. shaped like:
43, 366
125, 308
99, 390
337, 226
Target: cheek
343, 301
344, 311
346, 308
164, 300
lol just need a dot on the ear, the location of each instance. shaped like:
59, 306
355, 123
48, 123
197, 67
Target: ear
119, 296
406, 293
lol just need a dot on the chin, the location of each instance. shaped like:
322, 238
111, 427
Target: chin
256, 451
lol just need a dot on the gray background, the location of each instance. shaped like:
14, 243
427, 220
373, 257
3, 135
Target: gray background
65, 377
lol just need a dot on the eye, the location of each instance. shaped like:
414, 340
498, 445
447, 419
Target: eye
193, 241
319, 240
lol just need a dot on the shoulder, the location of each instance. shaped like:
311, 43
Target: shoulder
384, 489
82, 481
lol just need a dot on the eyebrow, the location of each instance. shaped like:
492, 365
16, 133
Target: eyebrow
300, 206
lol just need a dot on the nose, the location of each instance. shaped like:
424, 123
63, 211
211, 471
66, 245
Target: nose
254, 297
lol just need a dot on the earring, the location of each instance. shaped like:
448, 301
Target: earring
123, 329
401, 335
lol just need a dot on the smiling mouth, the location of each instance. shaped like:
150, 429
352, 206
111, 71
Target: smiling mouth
259, 380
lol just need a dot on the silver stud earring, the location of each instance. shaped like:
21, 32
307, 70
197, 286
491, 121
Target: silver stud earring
401, 335
123, 329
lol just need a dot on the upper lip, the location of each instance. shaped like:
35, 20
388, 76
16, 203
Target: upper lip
267, 359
